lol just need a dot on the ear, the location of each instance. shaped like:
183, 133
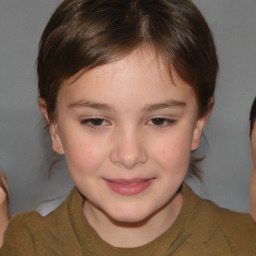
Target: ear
53, 127
199, 126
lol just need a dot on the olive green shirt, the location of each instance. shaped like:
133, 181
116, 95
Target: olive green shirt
202, 228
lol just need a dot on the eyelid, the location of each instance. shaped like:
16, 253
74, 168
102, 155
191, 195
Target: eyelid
88, 122
167, 122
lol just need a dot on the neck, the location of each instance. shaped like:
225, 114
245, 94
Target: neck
134, 234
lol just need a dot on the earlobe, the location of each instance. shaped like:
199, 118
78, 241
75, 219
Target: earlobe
53, 128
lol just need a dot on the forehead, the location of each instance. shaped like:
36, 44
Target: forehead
140, 75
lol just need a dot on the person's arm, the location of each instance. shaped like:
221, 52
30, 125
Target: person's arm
4, 216
253, 176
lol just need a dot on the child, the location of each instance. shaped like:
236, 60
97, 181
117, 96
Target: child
126, 87
4, 199
253, 150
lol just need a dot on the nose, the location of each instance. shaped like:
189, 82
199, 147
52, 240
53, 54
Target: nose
128, 150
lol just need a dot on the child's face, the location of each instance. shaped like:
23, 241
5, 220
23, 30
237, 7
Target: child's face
127, 132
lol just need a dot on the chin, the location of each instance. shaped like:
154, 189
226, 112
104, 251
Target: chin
135, 216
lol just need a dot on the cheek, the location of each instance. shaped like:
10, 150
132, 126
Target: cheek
83, 156
173, 152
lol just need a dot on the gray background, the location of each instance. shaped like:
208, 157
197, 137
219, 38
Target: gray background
24, 145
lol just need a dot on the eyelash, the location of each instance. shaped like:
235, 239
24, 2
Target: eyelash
88, 122
166, 122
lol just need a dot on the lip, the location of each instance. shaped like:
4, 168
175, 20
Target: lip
129, 187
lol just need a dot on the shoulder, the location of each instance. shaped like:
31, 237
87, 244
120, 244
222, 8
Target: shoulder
33, 222
18, 232
212, 213
227, 219
216, 226
236, 230
28, 232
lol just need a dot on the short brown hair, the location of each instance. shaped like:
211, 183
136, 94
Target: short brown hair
84, 34
252, 116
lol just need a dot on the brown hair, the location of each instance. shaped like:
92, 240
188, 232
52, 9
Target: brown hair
252, 116
84, 34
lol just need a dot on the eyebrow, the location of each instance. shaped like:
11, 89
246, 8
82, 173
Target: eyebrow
148, 108
88, 104
167, 104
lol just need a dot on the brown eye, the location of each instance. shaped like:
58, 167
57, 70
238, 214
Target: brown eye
158, 121
161, 122
94, 122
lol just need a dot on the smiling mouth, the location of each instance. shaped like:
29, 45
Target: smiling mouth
129, 187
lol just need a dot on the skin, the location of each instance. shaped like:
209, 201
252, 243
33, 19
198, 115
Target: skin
4, 217
253, 175
107, 127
